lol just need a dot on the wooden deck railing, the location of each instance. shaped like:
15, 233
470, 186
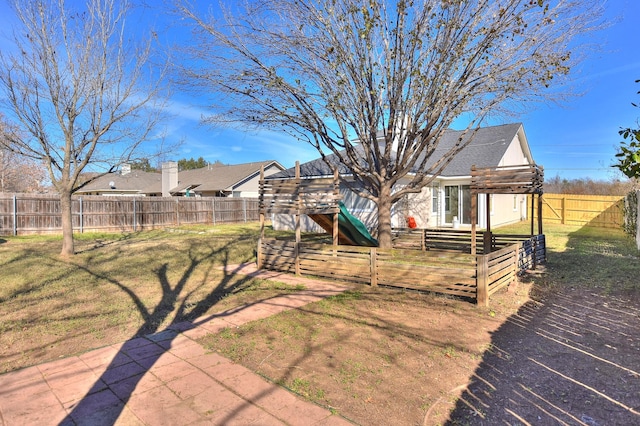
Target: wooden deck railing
440, 271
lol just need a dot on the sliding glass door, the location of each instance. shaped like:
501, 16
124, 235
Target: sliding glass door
457, 203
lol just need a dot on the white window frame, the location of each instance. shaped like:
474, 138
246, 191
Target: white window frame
435, 199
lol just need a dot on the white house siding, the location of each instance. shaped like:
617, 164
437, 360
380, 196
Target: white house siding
514, 154
417, 206
362, 208
287, 222
249, 188
510, 208
420, 207
506, 208
506, 211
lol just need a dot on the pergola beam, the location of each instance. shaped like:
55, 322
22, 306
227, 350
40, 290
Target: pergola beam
525, 179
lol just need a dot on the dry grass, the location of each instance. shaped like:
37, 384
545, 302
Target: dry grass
118, 286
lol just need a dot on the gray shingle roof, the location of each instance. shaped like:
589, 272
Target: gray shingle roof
485, 150
218, 177
135, 181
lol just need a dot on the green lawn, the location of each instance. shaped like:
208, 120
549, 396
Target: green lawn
602, 258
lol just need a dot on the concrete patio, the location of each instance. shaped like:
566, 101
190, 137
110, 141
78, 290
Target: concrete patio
166, 378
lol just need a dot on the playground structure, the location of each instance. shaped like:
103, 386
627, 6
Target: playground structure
455, 262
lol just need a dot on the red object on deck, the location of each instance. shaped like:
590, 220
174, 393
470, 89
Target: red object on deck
411, 222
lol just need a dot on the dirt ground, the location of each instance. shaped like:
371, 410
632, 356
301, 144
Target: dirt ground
571, 358
386, 357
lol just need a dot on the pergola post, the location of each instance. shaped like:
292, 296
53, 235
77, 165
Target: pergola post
298, 205
336, 194
539, 214
474, 214
533, 202
487, 234
259, 259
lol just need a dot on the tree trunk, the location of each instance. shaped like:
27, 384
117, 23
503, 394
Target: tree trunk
67, 224
384, 217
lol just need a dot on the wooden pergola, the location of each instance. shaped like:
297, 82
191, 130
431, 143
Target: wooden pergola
525, 179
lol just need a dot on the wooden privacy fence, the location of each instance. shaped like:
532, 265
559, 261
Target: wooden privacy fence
446, 272
38, 214
592, 210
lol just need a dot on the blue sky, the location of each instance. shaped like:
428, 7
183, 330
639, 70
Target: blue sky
575, 140
580, 138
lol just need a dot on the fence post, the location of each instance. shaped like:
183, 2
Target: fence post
15, 215
259, 255
213, 210
516, 260
482, 280
177, 213
134, 215
296, 251
534, 252
540, 216
487, 242
374, 266
244, 209
81, 215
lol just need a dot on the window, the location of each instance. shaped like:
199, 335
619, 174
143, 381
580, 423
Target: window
451, 203
434, 199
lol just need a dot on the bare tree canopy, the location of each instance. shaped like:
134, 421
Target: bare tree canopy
77, 89
378, 82
20, 174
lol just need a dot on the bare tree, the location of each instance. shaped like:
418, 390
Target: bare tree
19, 174
73, 85
377, 83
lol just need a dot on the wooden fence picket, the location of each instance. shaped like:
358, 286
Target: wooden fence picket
40, 214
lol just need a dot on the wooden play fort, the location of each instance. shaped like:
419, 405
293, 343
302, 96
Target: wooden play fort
449, 261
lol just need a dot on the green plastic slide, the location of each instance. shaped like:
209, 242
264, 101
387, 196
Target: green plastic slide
353, 229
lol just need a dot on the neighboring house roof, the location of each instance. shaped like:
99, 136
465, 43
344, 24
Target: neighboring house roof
213, 178
134, 182
220, 177
485, 150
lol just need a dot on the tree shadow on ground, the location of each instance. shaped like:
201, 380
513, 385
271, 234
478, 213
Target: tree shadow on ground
129, 356
570, 355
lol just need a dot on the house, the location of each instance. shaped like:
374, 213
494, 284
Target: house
215, 180
446, 202
127, 182
219, 180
